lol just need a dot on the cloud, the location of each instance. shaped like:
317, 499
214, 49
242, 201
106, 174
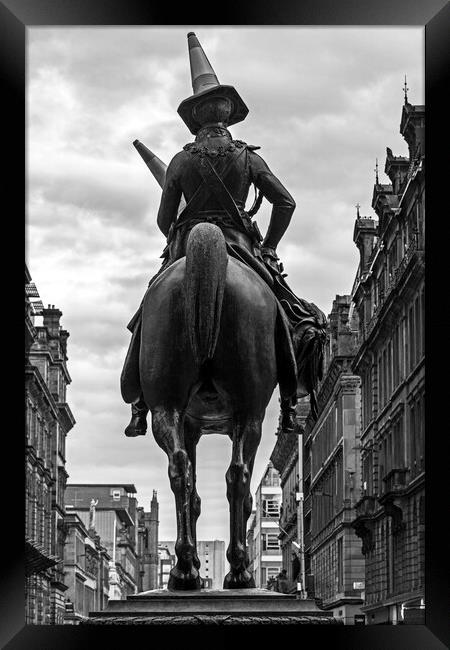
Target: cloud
324, 104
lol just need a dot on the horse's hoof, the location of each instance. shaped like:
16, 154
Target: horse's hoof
184, 581
241, 580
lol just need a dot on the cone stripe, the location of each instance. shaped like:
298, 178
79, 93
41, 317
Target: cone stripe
202, 73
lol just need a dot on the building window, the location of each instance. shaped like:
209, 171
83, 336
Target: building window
271, 508
380, 382
116, 495
412, 359
367, 472
396, 357
418, 325
422, 322
271, 479
416, 413
272, 572
398, 452
340, 564
270, 542
389, 369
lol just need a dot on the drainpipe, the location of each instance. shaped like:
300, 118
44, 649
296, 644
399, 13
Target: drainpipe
114, 539
300, 532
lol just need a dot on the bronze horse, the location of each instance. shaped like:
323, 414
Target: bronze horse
208, 364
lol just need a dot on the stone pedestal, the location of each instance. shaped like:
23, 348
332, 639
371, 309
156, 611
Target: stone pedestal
222, 607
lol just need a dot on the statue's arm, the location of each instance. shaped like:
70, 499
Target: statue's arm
283, 205
171, 195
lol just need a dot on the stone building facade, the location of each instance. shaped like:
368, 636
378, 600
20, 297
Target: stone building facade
334, 562
390, 300
86, 571
116, 522
264, 526
148, 546
48, 420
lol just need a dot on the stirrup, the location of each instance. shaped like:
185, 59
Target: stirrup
137, 426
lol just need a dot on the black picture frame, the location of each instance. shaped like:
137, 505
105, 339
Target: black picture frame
434, 15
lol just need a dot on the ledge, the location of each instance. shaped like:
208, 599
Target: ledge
207, 606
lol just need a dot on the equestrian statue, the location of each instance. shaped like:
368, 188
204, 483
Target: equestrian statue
218, 327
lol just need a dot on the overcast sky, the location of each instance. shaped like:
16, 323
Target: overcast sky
324, 104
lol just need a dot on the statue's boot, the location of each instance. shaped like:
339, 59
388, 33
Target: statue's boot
288, 420
138, 423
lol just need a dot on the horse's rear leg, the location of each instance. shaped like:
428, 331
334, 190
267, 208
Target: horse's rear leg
192, 437
167, 428
246, 438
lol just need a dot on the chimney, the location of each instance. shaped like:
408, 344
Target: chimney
51, 318
154, 506
364, 235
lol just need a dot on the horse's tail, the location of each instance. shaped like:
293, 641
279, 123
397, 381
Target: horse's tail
206, 266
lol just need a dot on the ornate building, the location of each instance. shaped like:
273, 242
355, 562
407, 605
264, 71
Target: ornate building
86, 569
265, 552
48, 420
116, 522
148, 546
334, 565
390, 301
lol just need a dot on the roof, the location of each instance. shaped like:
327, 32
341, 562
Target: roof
128, 487
37, 559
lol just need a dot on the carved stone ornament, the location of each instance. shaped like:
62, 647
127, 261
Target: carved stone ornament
212, 619
364, 530
396, 513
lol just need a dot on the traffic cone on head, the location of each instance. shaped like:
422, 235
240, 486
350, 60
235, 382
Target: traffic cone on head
205, 84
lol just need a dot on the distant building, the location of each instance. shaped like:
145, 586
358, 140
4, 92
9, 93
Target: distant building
250, 539
332, 475
285, 459
148, 546
86, 570
390, 300
166, 560
211, 554
116, 522
266, 552
48, 420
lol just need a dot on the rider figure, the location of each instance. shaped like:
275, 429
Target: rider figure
214, 174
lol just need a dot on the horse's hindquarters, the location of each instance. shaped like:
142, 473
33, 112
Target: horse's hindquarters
243, 366
244, 363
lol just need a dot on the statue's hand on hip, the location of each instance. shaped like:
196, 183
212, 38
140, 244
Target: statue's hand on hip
270, 257
271, 262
